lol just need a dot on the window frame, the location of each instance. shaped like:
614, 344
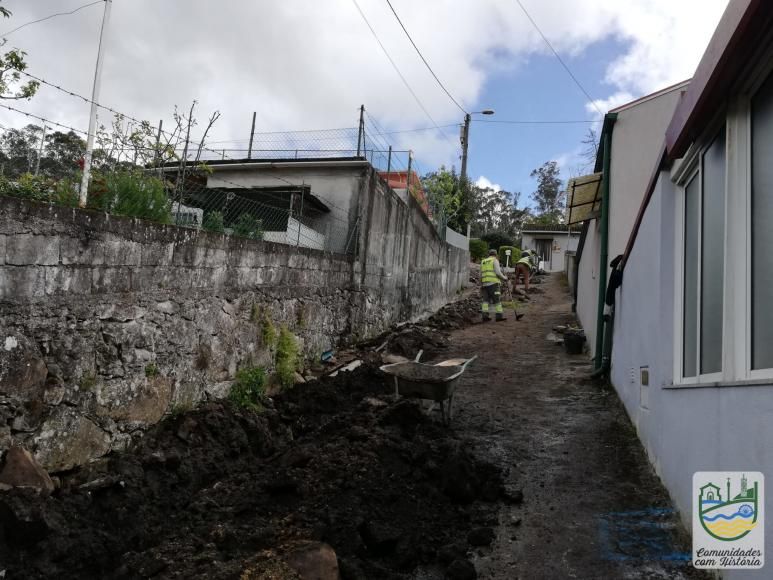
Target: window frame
737, 339
692, 168
751, 91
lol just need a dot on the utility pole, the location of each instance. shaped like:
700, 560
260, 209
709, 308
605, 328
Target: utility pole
465, 139
40, 150
252, 135
94, 100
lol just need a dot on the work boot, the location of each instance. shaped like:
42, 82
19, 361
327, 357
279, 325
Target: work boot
486, 318
500, 317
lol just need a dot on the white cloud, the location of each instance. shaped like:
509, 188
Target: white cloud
485, 183
304, 65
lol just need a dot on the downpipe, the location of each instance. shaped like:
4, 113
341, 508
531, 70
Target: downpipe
606, 355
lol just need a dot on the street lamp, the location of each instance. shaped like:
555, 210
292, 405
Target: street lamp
465, 138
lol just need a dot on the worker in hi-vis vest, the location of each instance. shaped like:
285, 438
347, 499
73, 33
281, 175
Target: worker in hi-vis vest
491, 277
523, 270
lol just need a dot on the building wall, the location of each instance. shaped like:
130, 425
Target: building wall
636, 142
683, 430
588, 284
562, 240
337, 186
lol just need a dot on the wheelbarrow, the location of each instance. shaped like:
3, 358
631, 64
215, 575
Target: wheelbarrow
436, 382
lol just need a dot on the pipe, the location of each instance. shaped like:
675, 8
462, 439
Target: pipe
609, 123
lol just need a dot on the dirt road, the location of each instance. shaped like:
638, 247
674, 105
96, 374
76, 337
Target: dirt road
593, 507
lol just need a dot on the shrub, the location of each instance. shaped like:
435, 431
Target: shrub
248, 388
267, 331
131, 193
151, 370
515, 255
39, 188
286, 357
496, 239
248, 226
213, 222
478, 249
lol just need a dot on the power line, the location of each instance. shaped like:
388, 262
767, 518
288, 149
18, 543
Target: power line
555, 53
50, 17
424, 60
587, 121
400, 74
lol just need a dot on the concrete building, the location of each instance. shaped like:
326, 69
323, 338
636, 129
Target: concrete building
551, 244
634, 133
691, 354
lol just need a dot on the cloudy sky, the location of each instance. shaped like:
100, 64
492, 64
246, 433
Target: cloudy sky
309, 64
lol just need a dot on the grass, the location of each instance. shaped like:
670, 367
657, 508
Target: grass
286, 357
88, 381
151, 370
249, 388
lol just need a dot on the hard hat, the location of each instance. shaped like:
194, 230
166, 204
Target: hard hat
492, 252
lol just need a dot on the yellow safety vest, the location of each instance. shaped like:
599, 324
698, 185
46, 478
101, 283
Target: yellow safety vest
524, 260
487, 273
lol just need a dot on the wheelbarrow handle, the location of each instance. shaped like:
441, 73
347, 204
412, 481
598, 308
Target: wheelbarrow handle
418, 356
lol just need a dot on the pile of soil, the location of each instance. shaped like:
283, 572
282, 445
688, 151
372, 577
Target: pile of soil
222, 492
431, 335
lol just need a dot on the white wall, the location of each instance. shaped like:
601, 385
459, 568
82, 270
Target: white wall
297, 234
588, 284
684, 430
560, 239
637, 139
456, 239
337, 186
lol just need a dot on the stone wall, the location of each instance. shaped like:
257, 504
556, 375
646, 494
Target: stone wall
108, 323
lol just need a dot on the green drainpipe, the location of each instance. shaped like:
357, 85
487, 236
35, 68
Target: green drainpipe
606, 137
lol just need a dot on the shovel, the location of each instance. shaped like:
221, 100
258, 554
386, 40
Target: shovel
512, 299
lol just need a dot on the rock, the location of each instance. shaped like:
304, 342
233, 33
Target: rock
314, 561
21, 470
146, 407
481, 537
461, 570
68, 439
22, 370
298, 378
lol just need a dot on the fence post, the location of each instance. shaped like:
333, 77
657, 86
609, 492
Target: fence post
252, 135
389, 162
408, 177
40, 151
361, 130
300, 215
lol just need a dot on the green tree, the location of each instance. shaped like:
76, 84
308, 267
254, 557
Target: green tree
450, 200
550, 197
497, 211
12, 64
61, 155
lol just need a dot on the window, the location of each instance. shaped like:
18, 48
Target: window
704, 260
724, 250
762, 228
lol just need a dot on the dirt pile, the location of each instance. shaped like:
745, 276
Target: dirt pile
221, 492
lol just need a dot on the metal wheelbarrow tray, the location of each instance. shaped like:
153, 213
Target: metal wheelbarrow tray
436, 383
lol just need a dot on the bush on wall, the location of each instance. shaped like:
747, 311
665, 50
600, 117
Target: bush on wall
478, 249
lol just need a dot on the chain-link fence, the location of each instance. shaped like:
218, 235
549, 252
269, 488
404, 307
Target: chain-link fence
137, 173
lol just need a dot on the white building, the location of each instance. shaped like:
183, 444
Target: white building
634, 135
692, 345
551, 244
